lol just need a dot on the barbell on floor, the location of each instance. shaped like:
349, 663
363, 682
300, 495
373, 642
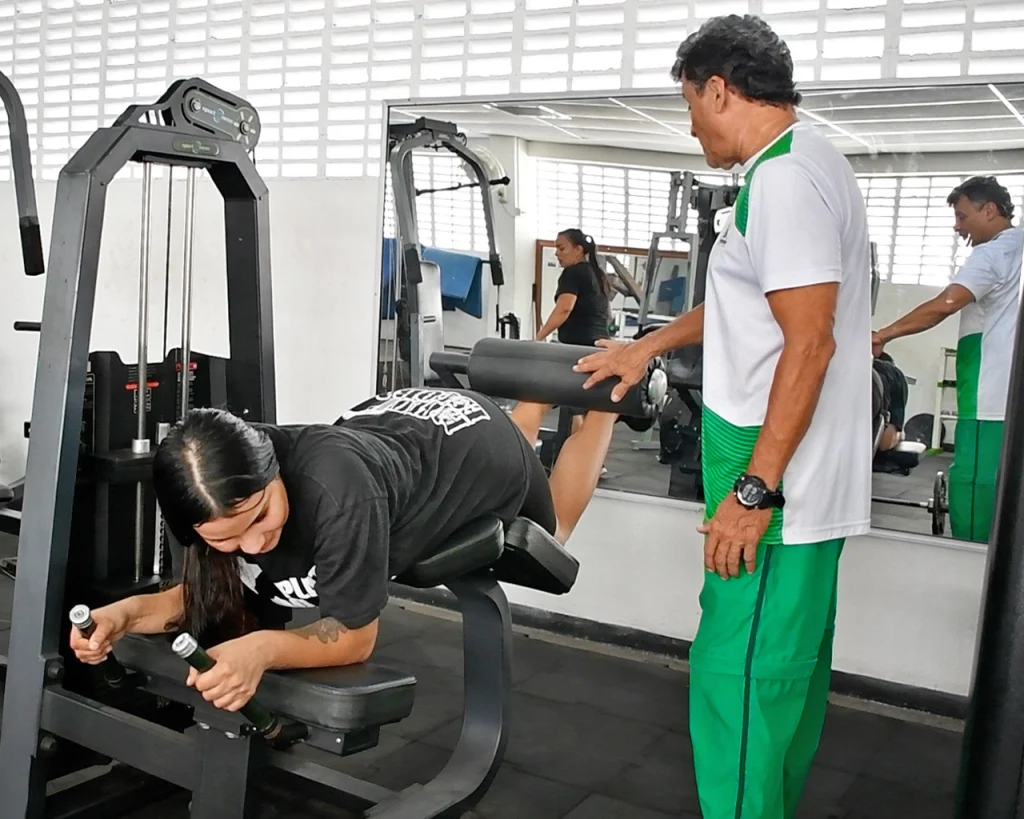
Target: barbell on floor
937, 505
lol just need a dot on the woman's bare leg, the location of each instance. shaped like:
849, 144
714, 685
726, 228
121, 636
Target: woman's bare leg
528, 417
577, 470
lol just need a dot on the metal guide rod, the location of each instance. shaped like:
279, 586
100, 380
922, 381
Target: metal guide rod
394, 296
167, 258
162, 430
186, 290
140, 443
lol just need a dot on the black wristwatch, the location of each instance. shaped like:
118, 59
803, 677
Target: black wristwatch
753, 493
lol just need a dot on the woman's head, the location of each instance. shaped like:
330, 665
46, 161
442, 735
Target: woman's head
573, 246
218, 484
217, 480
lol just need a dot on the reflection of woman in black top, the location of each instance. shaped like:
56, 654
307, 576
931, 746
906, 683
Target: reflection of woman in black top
274, 518
581, 313
581, 316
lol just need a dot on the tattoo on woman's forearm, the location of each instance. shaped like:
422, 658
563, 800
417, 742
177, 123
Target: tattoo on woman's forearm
327, 630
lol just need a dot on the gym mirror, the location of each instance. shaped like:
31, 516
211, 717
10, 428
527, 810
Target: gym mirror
625, 170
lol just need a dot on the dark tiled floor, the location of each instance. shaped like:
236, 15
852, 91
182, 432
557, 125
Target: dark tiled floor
601, 737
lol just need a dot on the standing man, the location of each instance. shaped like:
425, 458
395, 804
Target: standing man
985, 292
786, 425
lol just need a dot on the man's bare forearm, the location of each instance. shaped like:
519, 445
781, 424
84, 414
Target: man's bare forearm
928, 314
681, 332
155, 613
794, 395
921, 318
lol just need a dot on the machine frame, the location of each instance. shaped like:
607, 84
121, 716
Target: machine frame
33, 696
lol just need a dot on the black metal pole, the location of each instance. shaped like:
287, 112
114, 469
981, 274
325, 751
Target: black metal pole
993, 749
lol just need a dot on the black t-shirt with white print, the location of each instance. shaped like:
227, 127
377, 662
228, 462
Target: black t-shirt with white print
380, 489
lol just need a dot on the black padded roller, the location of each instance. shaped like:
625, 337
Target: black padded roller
31, 246
542, 372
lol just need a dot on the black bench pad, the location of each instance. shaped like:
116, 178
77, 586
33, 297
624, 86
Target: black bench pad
535, 560
336, 699
473, 547
525, 555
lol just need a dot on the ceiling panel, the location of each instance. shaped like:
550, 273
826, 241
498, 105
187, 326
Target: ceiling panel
859, 121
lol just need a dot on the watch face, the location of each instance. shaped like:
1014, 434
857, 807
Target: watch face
749, 493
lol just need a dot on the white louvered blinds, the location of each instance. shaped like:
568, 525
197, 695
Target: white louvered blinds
453, 220
908, 217
618, 206
450, 220
318, 70
594, 199
880, 200
912, 225
924, 243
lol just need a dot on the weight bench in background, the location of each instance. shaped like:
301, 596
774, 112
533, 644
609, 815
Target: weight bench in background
908, 454
341, 709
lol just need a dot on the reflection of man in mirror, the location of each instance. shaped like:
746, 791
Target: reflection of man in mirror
985, 292
786, 424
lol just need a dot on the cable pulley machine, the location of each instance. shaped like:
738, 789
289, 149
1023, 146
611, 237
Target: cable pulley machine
420, 324
197, 127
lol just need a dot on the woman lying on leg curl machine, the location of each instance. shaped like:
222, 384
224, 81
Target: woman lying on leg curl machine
273, 518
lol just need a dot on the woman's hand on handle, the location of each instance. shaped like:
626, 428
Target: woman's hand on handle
112, 623
233, 681
628, 361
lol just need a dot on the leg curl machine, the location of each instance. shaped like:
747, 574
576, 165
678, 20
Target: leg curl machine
333, 712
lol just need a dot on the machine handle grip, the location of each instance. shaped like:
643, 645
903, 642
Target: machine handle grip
31, 246
28, 326
113, 672
187, 647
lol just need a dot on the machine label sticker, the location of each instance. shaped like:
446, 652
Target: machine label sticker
196, 147
452, 411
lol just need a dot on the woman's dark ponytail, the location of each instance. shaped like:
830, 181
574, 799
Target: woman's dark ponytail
209, 463
599, 274
581, 239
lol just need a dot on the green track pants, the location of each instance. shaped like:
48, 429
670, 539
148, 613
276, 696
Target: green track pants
760, 667
972, 478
